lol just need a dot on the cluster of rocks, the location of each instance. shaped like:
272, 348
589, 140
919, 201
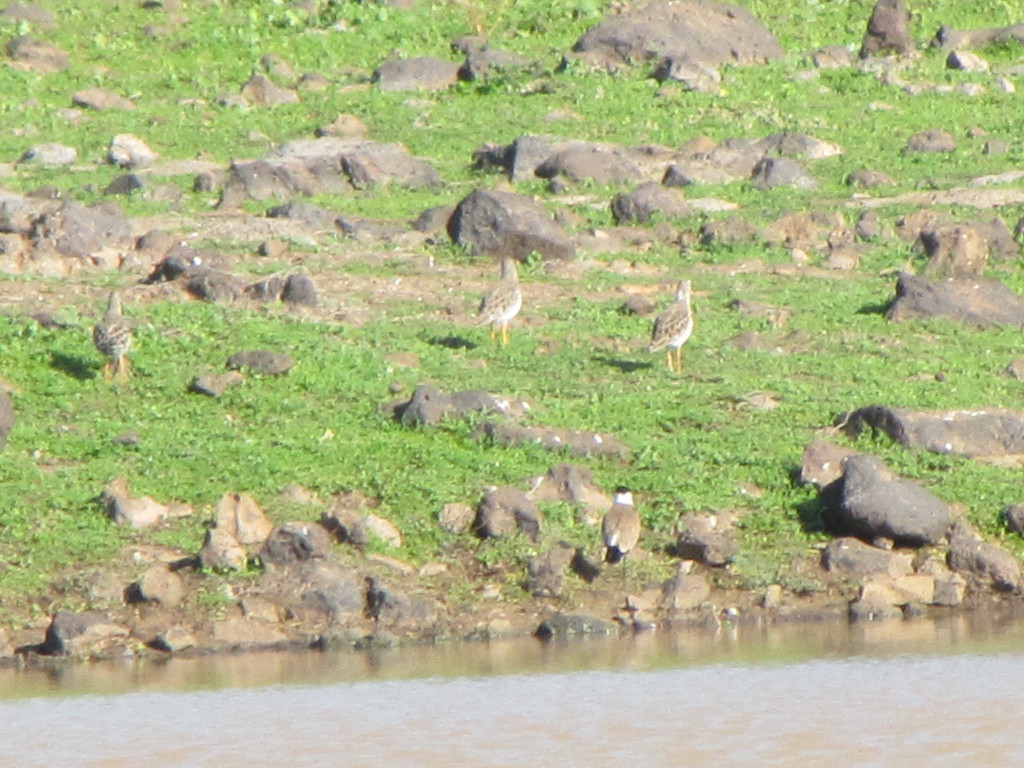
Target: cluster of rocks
902, 546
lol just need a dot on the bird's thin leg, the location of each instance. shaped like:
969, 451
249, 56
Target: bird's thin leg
679, 360
504, 334
122, 369
494, 332
670, 368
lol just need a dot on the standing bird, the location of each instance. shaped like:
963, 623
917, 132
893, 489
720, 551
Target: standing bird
113, 338
502, 302
673, 327
620, 528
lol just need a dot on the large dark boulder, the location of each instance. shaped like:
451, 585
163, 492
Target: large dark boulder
978, 302
429, 405
545, 573
873, 503
505, 224
851, 557
988, 432
85, 633
700, 31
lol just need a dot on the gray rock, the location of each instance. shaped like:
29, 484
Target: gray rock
1013, 516
86, 633
987, 563
975, 433
703, 31
505, 510
123, 509
481, 61
707, 539
174, 639
34, 14
505, 224
888, 30
429, 405
573, 484
732, 230
215, 385
456, 517
773, 172
262, 361
311, 215
50, 154
822, 463
577, 443
240, 516
545, 573
966, 62
957, 251
294, 542
875, 504
36, 55
646, 201
684, 592
299, 291
952, 39
330, 590
395, 611
101, 99
212, 285
423, 73
572, 625
590, 162
222, 552
267, 289
6, 418
869, 179
981, 302
125, 184
698, 77
852, 557
930, 142
129, 151
261, 90
159, 584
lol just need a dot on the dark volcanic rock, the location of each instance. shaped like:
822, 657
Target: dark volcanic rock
429, 405
854, 558
576, 442
986, 562
299, 291
708, 539
888, 30
81, 231
588, 162
36, 55
572, 624
215, 385
262, 361
1013, 516
502, 511
981, 302
423, 73
703, 31
87, 633
873, 503
930, 142
213, 285
949, 39
294, 542
989, 432
958, 251
684, 592
393, 610
781, 172
646, 201
505, 224
320, 586
545, 573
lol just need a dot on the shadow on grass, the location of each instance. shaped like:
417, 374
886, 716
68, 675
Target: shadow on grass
452, 341
76, 367
624, 366
875, 309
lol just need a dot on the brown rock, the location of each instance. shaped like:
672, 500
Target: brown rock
221, 551
684, 592
141, 512
456, 517
262, 91
239, 516
888, 30
161, 585
101, 99
88, 633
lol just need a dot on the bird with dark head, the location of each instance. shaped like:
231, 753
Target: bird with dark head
672, 328
620, 527
502, 302
112, 337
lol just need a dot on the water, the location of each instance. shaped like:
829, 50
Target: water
936, 694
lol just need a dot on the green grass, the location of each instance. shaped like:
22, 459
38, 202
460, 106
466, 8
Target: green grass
697, 445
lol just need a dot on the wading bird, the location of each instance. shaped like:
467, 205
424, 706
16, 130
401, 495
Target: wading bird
673, 327
113, 338
502, 302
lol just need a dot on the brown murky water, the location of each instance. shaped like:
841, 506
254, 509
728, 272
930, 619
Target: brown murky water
920, 693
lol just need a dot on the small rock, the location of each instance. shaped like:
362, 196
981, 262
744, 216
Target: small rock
129, 151
262, 91
456, 517
1013, 515
50, 154
88, 633
294, 542
141, 512
299, 291
239, 516
684, 592
930, 142
101, 99
966, 61
502, 511
546, 573
174, 639
161, 585
221, 551
262, 361
383, 529
215, 385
